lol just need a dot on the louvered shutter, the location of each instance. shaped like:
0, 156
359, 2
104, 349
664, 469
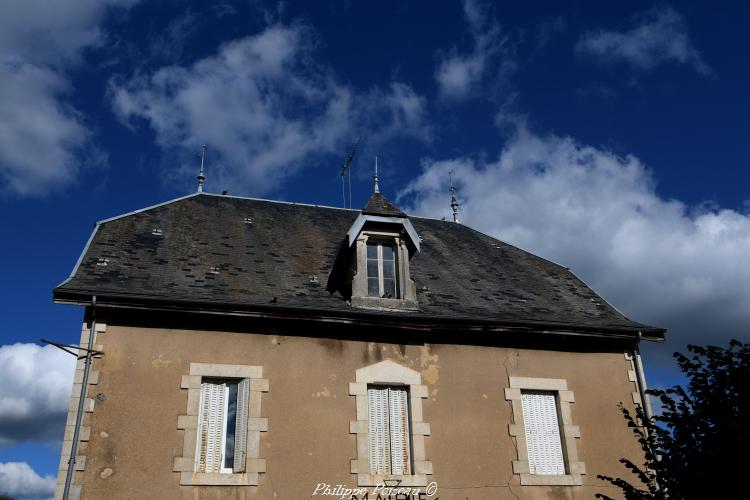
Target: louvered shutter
379, 437
398, 402
542, 433
240, 432
211, 427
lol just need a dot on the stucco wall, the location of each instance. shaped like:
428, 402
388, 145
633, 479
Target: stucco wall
134, 436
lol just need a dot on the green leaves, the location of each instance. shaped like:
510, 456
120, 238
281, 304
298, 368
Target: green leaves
701, 433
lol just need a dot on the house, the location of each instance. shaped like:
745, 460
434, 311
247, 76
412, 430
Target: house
273, 350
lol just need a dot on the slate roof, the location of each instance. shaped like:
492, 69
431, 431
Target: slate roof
379, 205
252, 253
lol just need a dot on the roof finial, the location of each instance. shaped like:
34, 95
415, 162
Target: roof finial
375, 177
454, 201
201, 177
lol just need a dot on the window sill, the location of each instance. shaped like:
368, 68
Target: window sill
385, 304
376, 480
551, 480
216, 479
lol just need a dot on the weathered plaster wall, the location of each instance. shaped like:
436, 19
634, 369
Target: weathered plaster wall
134, 437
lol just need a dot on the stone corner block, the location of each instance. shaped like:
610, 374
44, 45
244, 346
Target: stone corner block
357, 389
520, 467
259, 384
421, 428
512, 393
255, 465
190, 382
419, 391
422, 467
358, 427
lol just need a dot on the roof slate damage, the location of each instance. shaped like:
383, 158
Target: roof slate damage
213, 249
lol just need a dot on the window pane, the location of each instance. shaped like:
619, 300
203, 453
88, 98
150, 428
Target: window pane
372, 268
372, 250
387, 252
372, 287
231, 425
389, 288
389, 269
542, 433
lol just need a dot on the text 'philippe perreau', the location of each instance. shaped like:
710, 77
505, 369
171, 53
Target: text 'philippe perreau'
379, 492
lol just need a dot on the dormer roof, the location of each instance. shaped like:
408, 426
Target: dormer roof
380, 205
379, 210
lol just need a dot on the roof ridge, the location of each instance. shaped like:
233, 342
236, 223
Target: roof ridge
128, 214
280, 201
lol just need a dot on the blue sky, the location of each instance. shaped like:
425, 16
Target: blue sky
609, 138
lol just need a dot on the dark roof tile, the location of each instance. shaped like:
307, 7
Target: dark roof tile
380, 205
208, 253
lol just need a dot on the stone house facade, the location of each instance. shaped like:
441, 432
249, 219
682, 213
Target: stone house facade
272, 350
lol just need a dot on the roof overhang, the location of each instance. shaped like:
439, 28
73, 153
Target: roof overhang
362, 219
353, 316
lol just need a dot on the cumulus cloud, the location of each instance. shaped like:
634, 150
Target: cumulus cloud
460, 73
658, 260
20, 481
53, 33
35, 392
265, 107
660, 37
41, 137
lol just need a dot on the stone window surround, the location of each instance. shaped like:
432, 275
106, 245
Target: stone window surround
389, 373
569, 432
406, 289
254, 465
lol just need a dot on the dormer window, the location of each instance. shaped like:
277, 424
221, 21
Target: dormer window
382, 242
382, 271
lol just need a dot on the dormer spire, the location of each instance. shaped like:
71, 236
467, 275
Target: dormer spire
375, 177
201, 177
454, 201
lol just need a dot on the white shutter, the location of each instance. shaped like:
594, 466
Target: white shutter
542, 433
240, 431
398, 402
379, 438
210, 428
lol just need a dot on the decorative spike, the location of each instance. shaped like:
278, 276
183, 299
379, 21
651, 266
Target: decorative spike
454, 201
375, 177
201, 177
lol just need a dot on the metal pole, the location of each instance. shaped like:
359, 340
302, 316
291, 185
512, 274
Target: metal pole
81, 401
640, 375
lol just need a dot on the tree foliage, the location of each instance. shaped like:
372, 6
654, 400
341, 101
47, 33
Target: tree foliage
697, 447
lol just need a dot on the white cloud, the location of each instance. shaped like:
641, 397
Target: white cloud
459, 74
20, 481
660, 37
657, 260
265, 107
53, 33
41, 137
35, 392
